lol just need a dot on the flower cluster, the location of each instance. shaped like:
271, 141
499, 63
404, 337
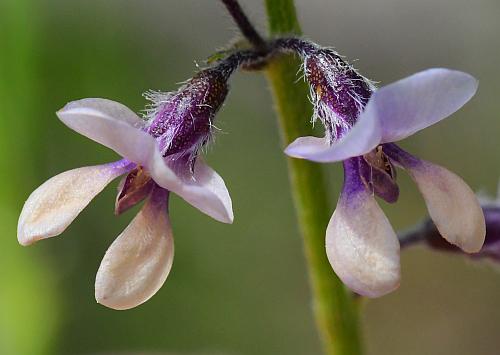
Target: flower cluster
161, 155
362, 123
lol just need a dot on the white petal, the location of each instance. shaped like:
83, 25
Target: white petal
138, 262
362, 246
107, 108
305, 147
205, 191
52, 207
112, 125
118, 128
452, 205
419, 101
361, 139
394, 112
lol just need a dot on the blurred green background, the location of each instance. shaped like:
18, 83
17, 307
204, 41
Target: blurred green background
238, 289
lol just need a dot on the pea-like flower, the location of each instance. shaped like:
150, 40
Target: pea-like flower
361, 124
160, 155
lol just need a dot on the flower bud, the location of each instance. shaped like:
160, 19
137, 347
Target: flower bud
338, 92
181, 121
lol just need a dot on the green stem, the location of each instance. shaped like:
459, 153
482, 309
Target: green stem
334, 308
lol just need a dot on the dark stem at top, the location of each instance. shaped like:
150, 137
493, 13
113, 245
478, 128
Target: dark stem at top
256, 59
244, 24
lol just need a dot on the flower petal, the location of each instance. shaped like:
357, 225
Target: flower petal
206, 190
138, 262
112, 125
305, 147
394, 112
419, 101
452, 205
52, 207
364, 136
360, 242
109, 108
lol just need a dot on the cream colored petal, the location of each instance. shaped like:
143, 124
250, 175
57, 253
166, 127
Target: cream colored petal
112, 125
362, 246
205, 190
452, 205
52, 207
138, 262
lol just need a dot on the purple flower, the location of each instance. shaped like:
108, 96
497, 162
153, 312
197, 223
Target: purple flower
361, 125
161, 155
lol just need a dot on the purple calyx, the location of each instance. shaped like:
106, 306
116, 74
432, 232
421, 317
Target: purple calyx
379, 174
374, 172
182, 121
338, 92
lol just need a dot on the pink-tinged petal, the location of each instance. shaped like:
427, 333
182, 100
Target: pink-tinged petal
419, 101
364, 136
361, 244
112, 125
452, 205
205, 190
52, 207
138, 262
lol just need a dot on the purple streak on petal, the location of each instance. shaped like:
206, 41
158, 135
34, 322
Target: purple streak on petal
123, 165
401, 157
353, 184
360, 243
451, 203
53, 206
419, 101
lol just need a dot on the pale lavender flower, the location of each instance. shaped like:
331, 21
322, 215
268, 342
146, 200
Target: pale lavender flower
160, 156
426, 232
362, 123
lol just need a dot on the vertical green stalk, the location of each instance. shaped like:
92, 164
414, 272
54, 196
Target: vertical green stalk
334, 308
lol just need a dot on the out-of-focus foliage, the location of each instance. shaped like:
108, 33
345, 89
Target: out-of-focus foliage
28, 301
